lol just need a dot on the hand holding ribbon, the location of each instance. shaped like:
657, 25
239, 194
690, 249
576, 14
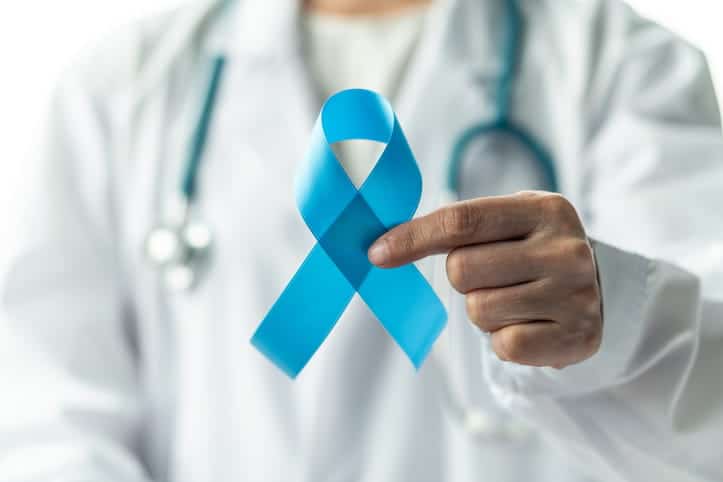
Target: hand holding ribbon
345, 222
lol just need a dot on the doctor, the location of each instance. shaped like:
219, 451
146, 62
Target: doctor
585, 339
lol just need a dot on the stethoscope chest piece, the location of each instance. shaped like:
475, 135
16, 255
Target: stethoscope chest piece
179, 252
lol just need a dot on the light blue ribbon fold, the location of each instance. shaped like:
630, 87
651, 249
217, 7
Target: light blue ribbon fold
346, 221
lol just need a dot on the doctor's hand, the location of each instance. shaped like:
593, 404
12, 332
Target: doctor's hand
525, 267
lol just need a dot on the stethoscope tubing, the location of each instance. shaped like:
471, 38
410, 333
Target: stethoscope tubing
515, 131
502, 123
200, 133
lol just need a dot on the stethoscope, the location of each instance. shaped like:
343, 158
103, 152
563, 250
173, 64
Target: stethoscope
179, 249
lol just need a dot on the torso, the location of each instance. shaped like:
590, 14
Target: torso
358, 411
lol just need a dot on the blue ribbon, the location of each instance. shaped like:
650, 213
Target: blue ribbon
345, 221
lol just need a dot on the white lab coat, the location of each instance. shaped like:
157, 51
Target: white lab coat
107, 376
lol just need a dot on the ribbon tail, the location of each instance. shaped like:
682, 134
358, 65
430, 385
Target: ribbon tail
407, 307
305, 313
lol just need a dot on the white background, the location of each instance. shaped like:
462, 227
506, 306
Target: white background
39, 38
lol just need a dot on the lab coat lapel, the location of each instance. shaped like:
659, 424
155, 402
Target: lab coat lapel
277, 101
450, 85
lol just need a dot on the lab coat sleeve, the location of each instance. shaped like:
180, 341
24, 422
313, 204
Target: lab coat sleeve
70, 398
649, 405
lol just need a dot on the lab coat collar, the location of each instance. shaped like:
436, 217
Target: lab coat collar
264, 28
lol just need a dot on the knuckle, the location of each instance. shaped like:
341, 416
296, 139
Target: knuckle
473, 313
588, 331
585, 326
457, 271
580, 250
474, 303
404, 242
590, 305
458, 220
590, 338
510, 345
548, 255
593, 342
560, 212
555, 205
579, 256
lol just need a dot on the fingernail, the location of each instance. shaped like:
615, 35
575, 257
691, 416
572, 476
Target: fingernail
379, 252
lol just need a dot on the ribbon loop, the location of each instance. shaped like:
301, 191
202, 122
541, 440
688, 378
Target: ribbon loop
345, 221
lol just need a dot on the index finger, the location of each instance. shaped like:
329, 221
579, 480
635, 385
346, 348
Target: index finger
476, 221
